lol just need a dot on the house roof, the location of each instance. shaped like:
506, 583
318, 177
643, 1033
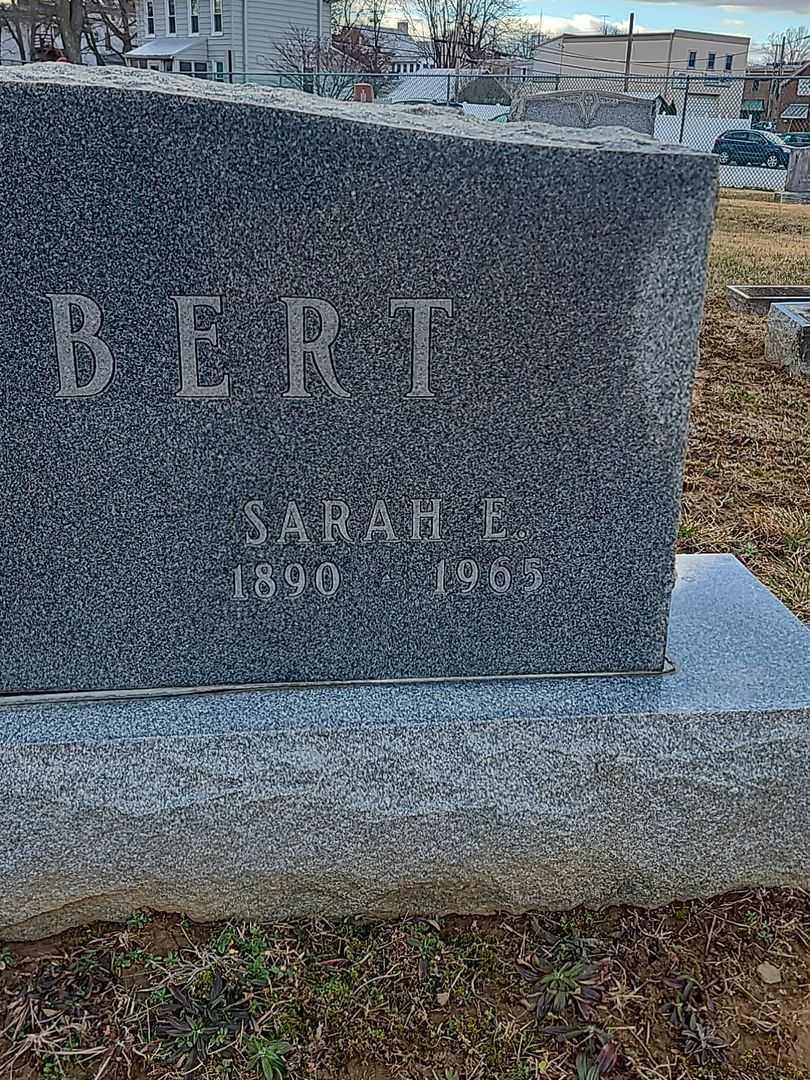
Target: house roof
397, 42
427, 86
647, 36
161, 48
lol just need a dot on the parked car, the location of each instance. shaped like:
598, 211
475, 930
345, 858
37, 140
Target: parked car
745, 147
796, 138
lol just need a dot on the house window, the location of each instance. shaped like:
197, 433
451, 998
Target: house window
692, 59
219, 70
755, 84
150, 18
710, 61
171, 16
216, 16
729, 61
194, 16
197, 68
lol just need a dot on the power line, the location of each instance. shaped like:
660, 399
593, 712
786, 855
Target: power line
613, 60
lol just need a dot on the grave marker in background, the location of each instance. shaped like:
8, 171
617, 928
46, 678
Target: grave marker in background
587, 109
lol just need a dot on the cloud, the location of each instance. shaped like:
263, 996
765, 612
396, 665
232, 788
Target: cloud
578, 24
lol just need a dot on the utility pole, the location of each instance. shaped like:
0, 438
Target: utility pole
776, 86
629, 51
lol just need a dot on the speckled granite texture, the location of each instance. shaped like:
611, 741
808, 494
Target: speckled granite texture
587, 109
787, 341
575, 265
451, 797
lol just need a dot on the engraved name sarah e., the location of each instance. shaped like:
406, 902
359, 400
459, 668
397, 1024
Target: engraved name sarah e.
77, 323
415, 521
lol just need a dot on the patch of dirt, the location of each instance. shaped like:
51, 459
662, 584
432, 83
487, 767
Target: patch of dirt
652, 995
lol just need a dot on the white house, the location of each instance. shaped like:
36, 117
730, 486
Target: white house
714, 64
222, 39
408, 53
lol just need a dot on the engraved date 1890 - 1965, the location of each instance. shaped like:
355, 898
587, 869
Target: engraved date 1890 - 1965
419, 521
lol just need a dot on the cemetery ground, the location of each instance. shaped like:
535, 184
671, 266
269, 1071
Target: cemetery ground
717, 988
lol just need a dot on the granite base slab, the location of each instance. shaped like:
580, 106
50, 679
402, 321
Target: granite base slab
463, 797
787, 340
757, 299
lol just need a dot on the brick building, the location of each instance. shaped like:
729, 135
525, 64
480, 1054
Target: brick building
782, 101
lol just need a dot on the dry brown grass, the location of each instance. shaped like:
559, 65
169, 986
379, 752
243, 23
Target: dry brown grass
444, 999
747, 485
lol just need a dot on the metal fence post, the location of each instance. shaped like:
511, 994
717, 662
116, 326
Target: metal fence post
683, 111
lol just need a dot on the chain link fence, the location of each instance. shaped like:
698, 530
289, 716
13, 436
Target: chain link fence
752, 137
706, 111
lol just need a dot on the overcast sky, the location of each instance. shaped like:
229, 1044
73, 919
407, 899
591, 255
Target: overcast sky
756, 19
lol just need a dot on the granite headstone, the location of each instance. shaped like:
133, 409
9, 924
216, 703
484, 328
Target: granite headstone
268, 419
587, 109
272, 410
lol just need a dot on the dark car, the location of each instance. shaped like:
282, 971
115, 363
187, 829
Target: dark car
751, 148
796, 138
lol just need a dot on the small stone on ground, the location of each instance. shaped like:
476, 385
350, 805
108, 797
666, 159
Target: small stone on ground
769, 974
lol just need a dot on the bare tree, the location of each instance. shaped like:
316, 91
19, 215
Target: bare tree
301, 51
358, 30
70, 18
522, 37
610, 29
463, 31
26, 22
797, 45
316, 66
72, 23
119, 22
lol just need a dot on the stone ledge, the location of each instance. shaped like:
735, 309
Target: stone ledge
452, 797
418, 118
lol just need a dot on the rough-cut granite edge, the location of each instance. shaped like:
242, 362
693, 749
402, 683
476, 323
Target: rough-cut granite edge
424, 119
456, 798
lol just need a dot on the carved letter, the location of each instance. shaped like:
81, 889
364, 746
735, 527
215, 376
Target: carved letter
293, 525
421, 325
419, 515
332, 520
251, 510
493, 512
188, 335
86, 334
299, 347
380, 521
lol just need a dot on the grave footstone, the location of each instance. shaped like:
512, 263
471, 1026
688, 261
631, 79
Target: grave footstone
587, 109
273, 413
787, 341
797, 178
